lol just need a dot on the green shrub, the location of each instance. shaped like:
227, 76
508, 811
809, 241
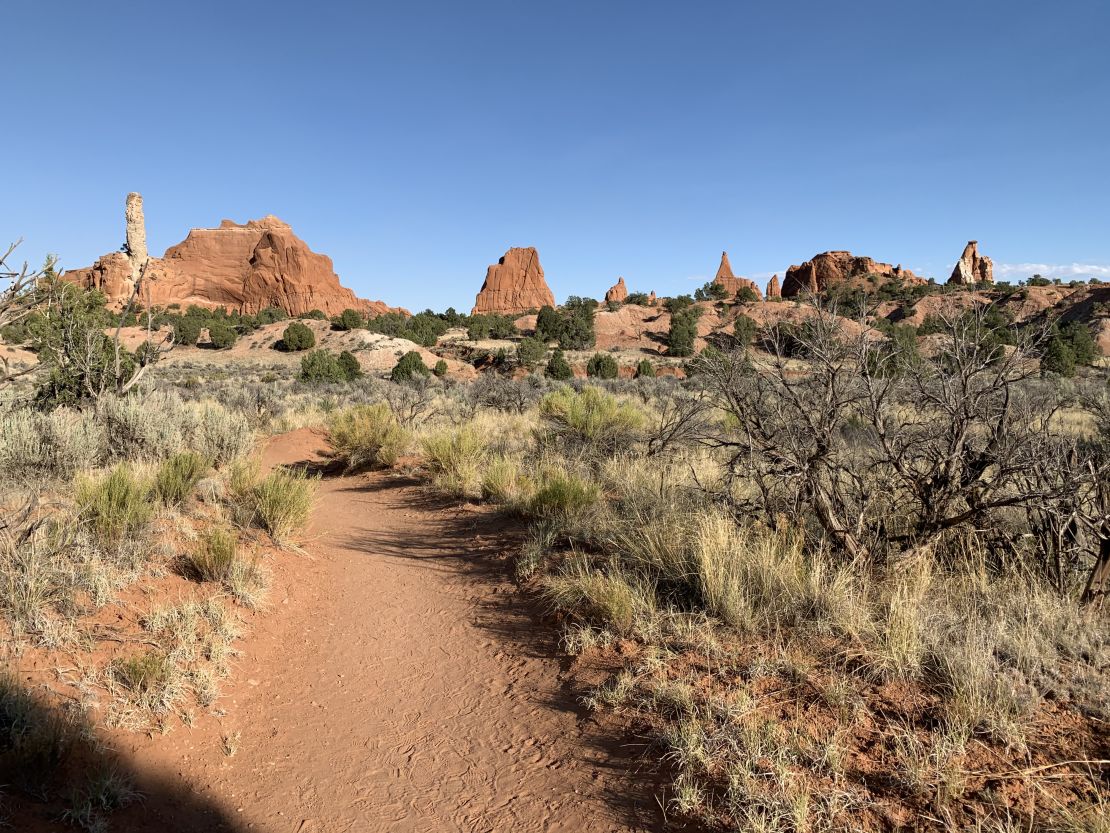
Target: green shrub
116, 505
455, 459
409, 367
349, 365
711, 291
187, 331
178, 476
440, 370
745, 330
349, 319
145, 675
283, 501
367, 435
1083, 345
531, 351
297, 337
1058, 357
321, 366
592, 419
548, 324
561, 496
577, 329
221, 335
558, 368
645, 370
214, 557
602, 366
684, 329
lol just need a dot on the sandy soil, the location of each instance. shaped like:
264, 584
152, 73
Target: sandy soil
400, 682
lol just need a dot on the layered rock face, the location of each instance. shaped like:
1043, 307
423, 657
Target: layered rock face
731, 282
838, 268
773, 288
246, 268
972, 267
617, 292
513, 285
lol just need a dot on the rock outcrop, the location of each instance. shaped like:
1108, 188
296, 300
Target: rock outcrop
839, 268
972, 268
731, 283
617, 292
514, 284
243, 267
773, 288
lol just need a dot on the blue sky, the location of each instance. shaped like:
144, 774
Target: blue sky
414, 142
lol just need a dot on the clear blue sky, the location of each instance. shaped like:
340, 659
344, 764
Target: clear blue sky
414, 142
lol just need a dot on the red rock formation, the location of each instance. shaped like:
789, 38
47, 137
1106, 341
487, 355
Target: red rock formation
651, 298
773, 289
514, 284
972, 267
839, 268
617, 292
731, 283
241, 267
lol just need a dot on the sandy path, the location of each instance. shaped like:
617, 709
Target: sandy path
401, 684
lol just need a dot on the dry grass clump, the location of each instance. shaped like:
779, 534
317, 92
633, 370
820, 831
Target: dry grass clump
504, 482
34, 740
279, 503
456, 458
116, 505
150, 678
178, 476
590, 420
367, 435
214, 556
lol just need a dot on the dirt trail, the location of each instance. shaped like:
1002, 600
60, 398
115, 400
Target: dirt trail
401, 684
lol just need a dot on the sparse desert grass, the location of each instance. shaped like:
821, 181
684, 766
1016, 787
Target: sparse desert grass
283, 501
562, 496
178, 476
214, 556
367, 435
34, 739
280, 502
456, 458
116, 505
149, 678
590, 420
504, 482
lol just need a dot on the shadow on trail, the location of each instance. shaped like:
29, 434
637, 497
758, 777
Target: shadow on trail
54, 771
478, 545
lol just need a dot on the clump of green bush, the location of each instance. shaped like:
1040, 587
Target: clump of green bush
408, 367
178, 476
214, 557
297, 337
590, 419
117, 505
367, 435
321, 366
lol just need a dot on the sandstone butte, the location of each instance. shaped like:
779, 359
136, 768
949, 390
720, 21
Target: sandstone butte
773, 288
245, 268
617, 292
972, 267
513, 285
730, 282
838, 268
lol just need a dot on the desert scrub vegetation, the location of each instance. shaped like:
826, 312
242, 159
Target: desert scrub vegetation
456, 459
367, 435
279, 502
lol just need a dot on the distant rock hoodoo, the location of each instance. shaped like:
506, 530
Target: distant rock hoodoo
839, 268
246, 268
730, 282
972, 268
513, 285
617, 292
773, 288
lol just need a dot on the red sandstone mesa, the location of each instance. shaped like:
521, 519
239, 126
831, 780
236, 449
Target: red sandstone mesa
839, 268
247, 267
514, 284
617, 292
972, 267
732, 283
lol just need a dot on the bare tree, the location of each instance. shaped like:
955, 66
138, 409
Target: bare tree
889, 452
17, 296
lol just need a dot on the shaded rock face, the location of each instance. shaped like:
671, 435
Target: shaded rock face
731, 282
617, 292
839, 268
972, 267
246, 268
513, 285
773, 288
